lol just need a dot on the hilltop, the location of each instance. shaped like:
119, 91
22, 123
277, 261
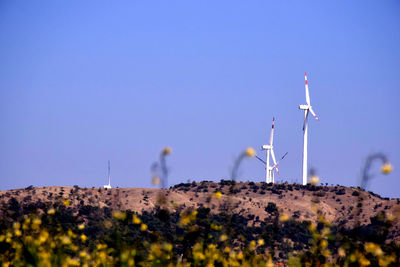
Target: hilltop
339, 205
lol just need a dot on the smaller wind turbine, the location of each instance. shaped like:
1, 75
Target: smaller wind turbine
307, 108
108, 186
271, 168
270, 150
276, 166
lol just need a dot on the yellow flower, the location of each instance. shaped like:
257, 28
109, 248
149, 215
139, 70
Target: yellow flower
101, 246
252, 244
386, 168
324, 243
66, 240
227, 250
83, 237
314, 180
81, 226
136, 220
216, 227
143, 227
260, 242
373, 249
326, 253
155, 180
166, 151
35, 223
370, 247
250, 152
223, 238
82, 254
185, 220
167, 247
16, 225
51, 211
43, 236
218, 194
270, 263
119, 215
284, 217
341, 252
67, 202
198, 256
364, 261
17, 232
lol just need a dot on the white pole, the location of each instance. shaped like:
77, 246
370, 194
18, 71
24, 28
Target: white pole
273, 176
268, 178
109, 178
305, 148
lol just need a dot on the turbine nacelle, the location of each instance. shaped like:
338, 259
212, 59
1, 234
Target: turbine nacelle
266, 147
304, 107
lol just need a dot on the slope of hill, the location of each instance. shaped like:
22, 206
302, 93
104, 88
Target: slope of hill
340, 205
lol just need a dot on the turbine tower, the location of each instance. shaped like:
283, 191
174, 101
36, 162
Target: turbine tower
307, 108
108, 186
270, 150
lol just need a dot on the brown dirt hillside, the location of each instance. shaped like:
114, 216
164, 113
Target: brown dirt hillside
338, 204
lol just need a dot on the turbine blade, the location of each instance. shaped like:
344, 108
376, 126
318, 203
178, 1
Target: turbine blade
271, 138
273, 158
305, 118
307, 92
312, 112
261, 160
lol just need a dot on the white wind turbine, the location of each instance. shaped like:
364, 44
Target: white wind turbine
269, 170
307, 108
108, 186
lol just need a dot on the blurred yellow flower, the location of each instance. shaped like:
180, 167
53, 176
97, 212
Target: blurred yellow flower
143, 227
314, 180
240, 256
119, 215
67, 202
341, 252
373, 249
81, 226
136, 220
222, 238
101, 246
260, 242
155, 180
324, 243
166, 151
43, 236
250, 152
270, 263
65, 240
386, 168
83, 238
218, 194
17, 232
167, 247
51, 211
284, 217
16, 225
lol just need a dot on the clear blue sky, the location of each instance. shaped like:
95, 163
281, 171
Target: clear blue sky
82, 82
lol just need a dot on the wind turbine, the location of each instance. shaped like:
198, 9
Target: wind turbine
108, 186
307, 108
270, 150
